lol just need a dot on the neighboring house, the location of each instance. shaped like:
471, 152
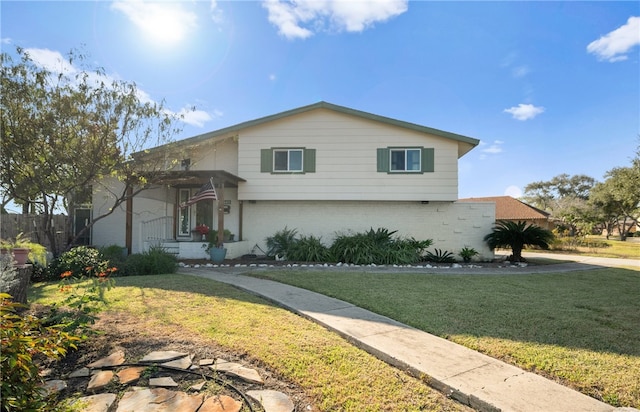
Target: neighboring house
508, 208
321, 169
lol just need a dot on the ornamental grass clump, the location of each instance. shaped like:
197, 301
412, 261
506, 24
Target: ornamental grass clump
377, 247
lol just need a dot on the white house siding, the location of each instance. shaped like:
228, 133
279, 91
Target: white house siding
215, 154
346, 161
110, 230
450, 225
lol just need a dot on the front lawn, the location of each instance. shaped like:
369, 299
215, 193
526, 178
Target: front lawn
580, 328
335, 374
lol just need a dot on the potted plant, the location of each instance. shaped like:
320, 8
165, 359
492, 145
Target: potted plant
19, 248
216, 251
202, 230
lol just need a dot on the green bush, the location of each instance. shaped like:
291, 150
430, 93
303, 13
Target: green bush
279, 243
154, 262
377, 247
467, 253
25, 340
80, 261
308, 249
115, 255
440, 256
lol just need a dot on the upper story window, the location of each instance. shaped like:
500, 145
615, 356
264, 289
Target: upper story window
405, 160
287, 160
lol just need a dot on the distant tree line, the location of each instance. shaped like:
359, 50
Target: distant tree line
581, 205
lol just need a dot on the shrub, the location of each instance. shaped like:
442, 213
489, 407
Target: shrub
467, 253
25, 340
114, 254
279, 243
440, 256
308, 249
154, 262
377, 247
80, 261
41, 273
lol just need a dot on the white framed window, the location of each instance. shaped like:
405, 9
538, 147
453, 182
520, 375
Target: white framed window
288, 160
405, 160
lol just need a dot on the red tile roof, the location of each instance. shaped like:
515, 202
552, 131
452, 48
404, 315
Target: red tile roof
508, 208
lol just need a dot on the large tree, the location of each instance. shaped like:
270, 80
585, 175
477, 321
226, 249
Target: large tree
564, 196
67, 126
618, 197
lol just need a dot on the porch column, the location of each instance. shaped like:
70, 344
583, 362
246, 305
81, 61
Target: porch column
128, 237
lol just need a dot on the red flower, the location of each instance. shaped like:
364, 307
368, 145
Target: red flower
202, 229
66, 274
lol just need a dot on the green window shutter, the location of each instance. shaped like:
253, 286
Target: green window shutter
428, 158
309, 161
383, 160
266, 160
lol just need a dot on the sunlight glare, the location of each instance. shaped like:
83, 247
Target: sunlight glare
163, 23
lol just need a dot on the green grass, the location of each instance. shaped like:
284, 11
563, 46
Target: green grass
628, 249
338, 376
580, 328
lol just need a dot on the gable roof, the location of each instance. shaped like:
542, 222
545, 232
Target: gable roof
508, 208
465, 144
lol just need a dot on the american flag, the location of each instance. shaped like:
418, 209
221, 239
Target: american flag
207, 191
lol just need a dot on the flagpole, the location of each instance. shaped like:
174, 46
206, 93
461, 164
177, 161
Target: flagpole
220, 195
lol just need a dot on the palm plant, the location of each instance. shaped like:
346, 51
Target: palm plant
517, 235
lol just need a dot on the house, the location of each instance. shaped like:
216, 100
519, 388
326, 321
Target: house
322, 169
508, 208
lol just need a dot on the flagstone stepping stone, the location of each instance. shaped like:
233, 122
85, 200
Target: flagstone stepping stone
129, 375
272, 401
221, 403
100, 380
163, 356
180, 363
236, 369
159, 400
54, 386
80, 373
115, 359
96, 403
206, 362
198, 386
163, 381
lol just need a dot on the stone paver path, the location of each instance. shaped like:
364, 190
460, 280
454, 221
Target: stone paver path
162, 393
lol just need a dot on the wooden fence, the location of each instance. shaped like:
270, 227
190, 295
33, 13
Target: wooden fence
32, 227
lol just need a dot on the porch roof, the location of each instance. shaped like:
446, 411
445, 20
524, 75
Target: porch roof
184, 178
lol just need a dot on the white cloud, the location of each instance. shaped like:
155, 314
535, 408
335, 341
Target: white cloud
513, 191
50, 60
216, 13
55, 62
165, 22
300, 19
6, 40
520, 71
524, 111
194, 117
272, 77
615, 45
487, 149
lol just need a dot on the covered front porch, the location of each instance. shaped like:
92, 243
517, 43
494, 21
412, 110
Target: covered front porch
186, 231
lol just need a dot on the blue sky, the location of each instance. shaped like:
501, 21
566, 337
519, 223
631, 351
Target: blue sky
548, 87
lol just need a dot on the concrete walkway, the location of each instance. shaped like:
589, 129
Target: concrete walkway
484, 383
